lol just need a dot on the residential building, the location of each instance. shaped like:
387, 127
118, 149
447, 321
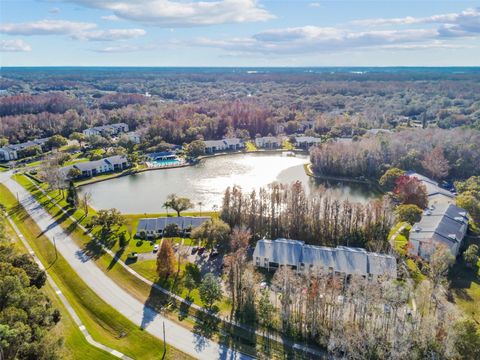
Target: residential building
231, 144
110, 130
443, 223
302, 258
97, 167
162, 155
155, 227
378, 131
133, 137
14, 151
269, 142
433, 188
306, 142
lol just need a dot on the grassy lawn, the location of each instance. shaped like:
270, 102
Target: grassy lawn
34, 163
400, 243
103, 322
287, 145
465, 284
250, 146
75, 159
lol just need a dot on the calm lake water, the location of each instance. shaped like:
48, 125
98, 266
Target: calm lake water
207, 181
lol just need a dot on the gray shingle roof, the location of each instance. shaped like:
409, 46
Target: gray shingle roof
27, 144
341, 259
444, 222
157, 224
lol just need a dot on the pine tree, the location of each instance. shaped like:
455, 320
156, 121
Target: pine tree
165, 260
72, 196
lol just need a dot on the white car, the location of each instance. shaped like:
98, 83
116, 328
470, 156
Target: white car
155, 248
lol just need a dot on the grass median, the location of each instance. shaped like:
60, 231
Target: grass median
104, 323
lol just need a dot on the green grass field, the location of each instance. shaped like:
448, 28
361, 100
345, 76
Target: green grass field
465, 284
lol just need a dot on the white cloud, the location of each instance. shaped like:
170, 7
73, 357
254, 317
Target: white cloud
54, 10
110, 18
453, 24
14, 45
125, 48
46, 27
316, 39
76, 30
110, 35
313, 39
168, 13
314, 5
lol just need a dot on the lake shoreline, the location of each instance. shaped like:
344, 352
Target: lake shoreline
309, 172
206, 181
186, 164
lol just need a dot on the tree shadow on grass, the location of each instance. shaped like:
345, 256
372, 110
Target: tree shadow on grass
93, 250
205, 327
155, 304
184, 308
115, 259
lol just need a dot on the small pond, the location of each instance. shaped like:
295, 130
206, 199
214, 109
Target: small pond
206, 182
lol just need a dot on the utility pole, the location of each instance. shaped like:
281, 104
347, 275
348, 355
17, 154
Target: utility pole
164, 342
55, 247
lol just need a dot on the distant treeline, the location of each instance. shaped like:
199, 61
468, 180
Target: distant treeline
438, 153
212, 104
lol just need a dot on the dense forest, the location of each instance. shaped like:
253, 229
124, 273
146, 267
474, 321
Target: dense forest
434, 152
180, 106
26, 313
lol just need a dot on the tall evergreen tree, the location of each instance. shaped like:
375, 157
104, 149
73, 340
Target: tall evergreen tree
72, 196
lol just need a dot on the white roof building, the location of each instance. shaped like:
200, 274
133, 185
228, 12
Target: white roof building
109, 129
269, 142
212, 146
93, 168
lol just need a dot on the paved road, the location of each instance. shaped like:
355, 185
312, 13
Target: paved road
141, 315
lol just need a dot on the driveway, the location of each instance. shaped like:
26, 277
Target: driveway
141, 315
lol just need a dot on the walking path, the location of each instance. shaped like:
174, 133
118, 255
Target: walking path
137, 312
64, 300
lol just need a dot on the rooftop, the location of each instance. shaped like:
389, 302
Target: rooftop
342, 259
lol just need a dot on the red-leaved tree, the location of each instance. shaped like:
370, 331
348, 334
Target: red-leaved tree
410, 190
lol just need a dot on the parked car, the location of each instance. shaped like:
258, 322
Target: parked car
214, 253
194, 249
155, 248
201, 250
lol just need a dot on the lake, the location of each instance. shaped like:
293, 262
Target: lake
206, 182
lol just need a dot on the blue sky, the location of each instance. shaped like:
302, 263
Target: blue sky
239, 33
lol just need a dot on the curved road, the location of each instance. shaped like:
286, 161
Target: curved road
137, 312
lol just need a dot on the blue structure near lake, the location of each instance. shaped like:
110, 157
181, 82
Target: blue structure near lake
164, 158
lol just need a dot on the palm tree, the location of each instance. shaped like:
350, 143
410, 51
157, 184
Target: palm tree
166, 205
200, 204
